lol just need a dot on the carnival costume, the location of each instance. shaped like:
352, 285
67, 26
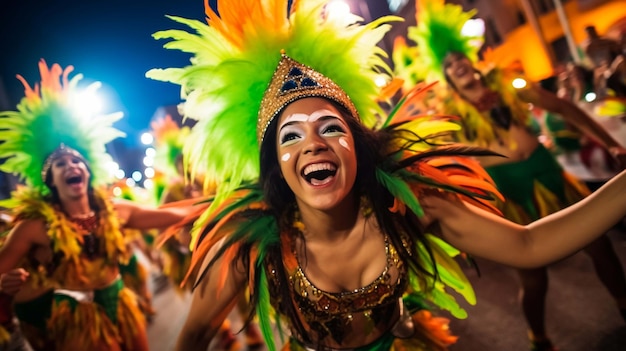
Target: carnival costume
534, 187
45, 126
249, 63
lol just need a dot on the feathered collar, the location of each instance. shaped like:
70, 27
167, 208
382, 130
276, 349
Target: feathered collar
66, 236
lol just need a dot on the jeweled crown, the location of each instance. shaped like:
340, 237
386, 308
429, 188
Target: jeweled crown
292, 81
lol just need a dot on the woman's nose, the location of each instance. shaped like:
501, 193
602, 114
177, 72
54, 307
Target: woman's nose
314, 145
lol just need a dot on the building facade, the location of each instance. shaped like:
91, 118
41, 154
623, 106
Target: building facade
531, 32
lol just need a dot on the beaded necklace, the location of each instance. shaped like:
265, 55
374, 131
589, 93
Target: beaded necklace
89, 223
90, 241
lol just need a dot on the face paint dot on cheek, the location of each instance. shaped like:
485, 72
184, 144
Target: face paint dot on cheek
286, 157
343, 142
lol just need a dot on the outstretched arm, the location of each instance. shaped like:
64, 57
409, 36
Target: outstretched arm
544, 241
136, 216
211, 303
570, 112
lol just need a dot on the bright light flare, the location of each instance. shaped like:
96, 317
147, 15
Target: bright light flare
147, 138
148, 161
519, 83
150, 152
88, 102
149, 172
380, 81
130, 182
137, 176
590, 97
338, 8
120, 174
148, 184
473, 28
117, 191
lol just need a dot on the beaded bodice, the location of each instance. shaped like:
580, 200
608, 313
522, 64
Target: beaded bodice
334, 316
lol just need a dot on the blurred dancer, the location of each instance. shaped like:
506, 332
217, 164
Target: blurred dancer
180, 185
68, 234
495, 115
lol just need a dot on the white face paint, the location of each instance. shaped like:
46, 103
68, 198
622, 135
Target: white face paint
315, 123
303, 117
343, 142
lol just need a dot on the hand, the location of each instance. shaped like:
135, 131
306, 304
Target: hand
432, 201
12, 282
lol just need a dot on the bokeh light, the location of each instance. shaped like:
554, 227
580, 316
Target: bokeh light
519, 83
147, 138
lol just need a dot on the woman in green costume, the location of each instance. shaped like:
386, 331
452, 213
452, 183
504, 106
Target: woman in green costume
493, 106
68, 234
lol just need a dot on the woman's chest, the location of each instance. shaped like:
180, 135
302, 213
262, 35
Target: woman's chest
343, 267
345, 283
338, 316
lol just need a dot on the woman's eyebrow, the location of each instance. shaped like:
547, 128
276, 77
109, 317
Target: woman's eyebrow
322, 118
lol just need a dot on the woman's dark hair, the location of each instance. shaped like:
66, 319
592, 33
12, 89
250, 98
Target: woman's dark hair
371, 148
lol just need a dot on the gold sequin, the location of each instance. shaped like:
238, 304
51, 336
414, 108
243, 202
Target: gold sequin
292, 81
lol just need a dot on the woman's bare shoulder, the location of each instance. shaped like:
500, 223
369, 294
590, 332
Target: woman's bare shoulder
33, 230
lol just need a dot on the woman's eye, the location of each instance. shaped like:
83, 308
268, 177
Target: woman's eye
287, 137
333, 129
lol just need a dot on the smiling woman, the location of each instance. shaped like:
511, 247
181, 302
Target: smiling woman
316, 149
67, 237
324, 187
330, 222
494, 106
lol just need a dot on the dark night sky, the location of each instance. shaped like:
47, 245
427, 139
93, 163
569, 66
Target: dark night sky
107, 41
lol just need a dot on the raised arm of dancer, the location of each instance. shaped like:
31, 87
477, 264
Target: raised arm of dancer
133, 215
546, 240
571, 113
211, 303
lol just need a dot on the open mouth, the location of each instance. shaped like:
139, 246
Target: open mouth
74, 180
319, 173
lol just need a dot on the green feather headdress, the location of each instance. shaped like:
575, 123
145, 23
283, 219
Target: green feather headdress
234, 59
47, 121
249, 55
438, 32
